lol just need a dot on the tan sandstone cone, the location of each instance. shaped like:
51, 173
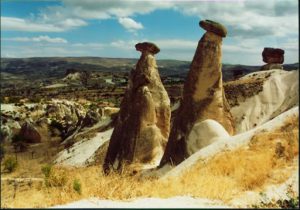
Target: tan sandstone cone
143, 125
203, 94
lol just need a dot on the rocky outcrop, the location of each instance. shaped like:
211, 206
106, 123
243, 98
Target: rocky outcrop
91, 118
108, 111
258, 97
274, 57
5, 133
29, 133
142, 127
66, 117
203, 96
203, 134
8, 129
64, 111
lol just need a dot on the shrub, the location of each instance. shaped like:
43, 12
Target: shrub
10, 164
36, 99
56, 124
14, 99
46, 169
291, 203
93, 106
77, 186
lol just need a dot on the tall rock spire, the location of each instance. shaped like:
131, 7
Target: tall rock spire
203, 94
143, 125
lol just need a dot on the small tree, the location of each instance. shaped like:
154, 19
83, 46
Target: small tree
77, 186
46, 170
84, 77
10, 164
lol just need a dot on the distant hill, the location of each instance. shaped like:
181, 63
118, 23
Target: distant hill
56, 67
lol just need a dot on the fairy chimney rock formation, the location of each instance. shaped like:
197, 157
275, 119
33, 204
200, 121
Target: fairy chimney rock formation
274, 57
203, 94
213, 27
143, 125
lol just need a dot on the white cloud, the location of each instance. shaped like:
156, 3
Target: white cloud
89, 45
130, 24
247, 18
73, 13
117, 8
39, 25
71, 23
163, 44
291, 44
36, 39
252, 25
176, 44
18, 24
48, 39
121, 44
243, 18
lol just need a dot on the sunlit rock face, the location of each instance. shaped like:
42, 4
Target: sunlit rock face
203, 96
143, 123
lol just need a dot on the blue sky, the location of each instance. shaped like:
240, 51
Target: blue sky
111, 28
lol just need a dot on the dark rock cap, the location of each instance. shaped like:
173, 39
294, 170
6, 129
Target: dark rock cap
147, 47
213, 27
273, 55
270, 50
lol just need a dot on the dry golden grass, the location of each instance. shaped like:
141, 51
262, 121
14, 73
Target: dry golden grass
226, 175
27, 167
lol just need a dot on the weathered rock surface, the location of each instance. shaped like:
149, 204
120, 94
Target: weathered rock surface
66, 117
203, 96
29, 133
108, 111
203, 134
91, 118
273, 55
5, 133
64, 111
143, 123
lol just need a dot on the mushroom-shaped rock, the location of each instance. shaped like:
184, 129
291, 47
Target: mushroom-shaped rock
213, 27
203, 134
203, 95
147, 47
273, 55
143, 124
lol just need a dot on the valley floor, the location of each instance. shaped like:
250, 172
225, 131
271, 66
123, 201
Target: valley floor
258, 167
255, 175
